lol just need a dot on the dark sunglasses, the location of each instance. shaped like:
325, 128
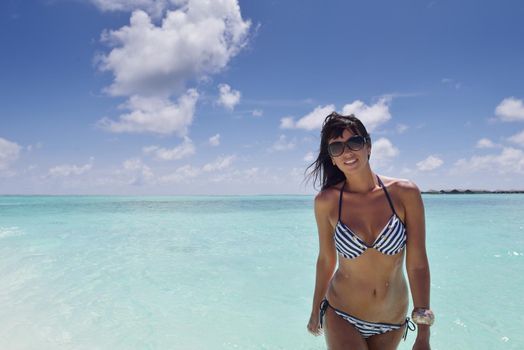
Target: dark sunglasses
354, 143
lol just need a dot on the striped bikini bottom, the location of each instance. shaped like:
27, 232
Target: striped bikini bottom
366, 328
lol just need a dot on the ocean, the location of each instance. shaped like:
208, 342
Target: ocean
232, 272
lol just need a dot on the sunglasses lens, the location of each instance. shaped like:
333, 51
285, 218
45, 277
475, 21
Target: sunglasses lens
356, 143
336, 148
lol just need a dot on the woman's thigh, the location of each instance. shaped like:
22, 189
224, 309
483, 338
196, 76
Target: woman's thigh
340, 334
386, 341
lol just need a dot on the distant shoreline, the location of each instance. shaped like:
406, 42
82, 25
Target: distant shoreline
455, 191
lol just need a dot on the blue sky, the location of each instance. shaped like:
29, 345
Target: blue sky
226, 97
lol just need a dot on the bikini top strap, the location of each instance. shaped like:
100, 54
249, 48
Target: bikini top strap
387, 195
340, 200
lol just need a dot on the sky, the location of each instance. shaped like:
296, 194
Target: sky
227, 97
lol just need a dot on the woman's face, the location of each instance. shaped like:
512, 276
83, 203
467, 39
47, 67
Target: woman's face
350, 160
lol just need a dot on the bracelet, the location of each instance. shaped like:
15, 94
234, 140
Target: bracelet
423, 316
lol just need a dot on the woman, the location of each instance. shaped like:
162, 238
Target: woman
368, 222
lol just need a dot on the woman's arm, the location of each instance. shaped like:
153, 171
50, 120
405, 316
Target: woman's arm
417, 264
327, 257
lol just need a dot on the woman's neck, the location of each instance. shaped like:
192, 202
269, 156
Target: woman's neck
361, 182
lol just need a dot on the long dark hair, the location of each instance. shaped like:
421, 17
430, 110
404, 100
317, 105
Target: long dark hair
323, 172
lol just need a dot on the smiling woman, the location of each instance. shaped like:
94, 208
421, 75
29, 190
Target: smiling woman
363, 304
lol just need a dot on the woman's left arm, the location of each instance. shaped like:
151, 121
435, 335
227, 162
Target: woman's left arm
417, 264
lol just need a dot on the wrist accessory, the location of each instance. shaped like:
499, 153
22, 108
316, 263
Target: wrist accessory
423, 316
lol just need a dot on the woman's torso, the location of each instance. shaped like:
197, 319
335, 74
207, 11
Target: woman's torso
370, 285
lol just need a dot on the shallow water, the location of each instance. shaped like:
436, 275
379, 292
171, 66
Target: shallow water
90, 272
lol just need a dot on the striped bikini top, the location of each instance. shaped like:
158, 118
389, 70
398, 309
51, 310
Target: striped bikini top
390, 241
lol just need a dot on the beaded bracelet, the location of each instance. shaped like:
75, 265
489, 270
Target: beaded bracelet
423, 316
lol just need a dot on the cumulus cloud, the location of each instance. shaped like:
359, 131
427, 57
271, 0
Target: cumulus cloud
140, 173
309, 157
310, 121
510, 109
257, 112
181, 174
401, 128
214, 140
287, 123
228, 98
153, 63
510, 160
184, 150
282, 144
430, 163
251, 172
485, 143
239, 176
30, 148
154, 7
9, 152
66, 170
196, 40
372, 116
155, 115
518, 138
383, 151
220, 163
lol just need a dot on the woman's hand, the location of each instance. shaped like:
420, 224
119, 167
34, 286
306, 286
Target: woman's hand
421, 344
313, 325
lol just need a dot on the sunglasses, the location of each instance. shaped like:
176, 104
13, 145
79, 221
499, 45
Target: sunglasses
354, 143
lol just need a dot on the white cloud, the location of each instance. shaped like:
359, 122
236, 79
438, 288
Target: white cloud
192, 42
485, 143
430, 163
184, 150
382, 152
287, 123
314, 119
510, 160
451, 82
9, 152
510, 109
132, 164
371, 116
140, 172
30, 148
239, 176
214, 140
309, 157
518, 138
310, 121
251, 172
66, 170
228, 98
282, 144
151, 63
401, 128
155, 115
154, 7
181, 174
220, 163
257, 112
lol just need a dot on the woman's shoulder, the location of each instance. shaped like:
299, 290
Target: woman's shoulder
328, 196
401, 187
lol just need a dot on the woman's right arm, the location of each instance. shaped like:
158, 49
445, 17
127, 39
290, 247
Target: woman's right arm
327, 258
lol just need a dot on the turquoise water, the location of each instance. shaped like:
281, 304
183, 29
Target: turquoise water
88, 272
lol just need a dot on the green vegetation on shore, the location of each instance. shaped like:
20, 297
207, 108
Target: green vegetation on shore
455, 191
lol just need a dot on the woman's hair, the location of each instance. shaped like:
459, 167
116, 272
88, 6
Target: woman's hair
323, 171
